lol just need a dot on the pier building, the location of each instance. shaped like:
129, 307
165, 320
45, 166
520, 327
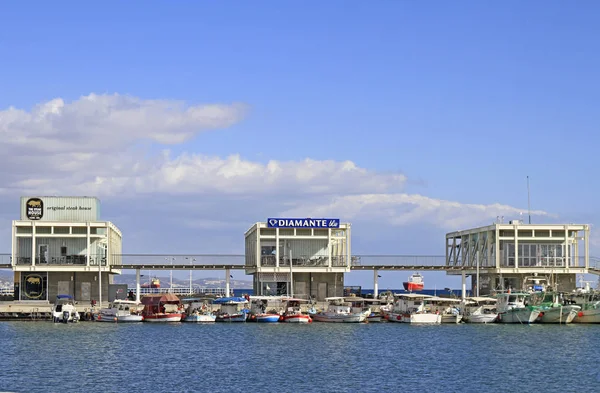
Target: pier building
519, 256
61, 246
303, 257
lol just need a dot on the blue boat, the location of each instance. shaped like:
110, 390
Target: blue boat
259, 306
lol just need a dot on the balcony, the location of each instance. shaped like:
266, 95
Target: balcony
304, 261
63, 260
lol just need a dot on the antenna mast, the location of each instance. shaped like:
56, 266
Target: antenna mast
528, 201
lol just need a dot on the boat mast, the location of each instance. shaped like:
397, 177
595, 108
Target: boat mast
528, 201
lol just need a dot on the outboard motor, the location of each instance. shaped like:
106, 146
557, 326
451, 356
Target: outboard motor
66, 315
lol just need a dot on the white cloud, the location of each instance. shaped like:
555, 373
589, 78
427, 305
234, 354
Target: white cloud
92, 147
406, 209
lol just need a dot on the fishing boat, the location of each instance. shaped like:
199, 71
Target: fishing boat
164, 307
448, 308
480, 310
516, 308
230, 309
121, 311
589, 301
413, 308
414, 283
554, 308
64, 309
264, 309
198, 310
373, 304
293, 311
340, 309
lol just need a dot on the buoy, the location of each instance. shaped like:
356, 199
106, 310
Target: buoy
580, 314
398, 317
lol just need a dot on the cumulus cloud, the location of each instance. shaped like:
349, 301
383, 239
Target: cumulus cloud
92, 146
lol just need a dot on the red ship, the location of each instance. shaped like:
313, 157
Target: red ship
414, 283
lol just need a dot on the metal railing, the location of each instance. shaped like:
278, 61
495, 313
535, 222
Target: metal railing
399, 260
180, 291
180, 259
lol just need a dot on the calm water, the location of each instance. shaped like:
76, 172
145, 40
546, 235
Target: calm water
250, 357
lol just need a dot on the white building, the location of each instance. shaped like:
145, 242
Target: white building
60, 246
300, 257
520, 256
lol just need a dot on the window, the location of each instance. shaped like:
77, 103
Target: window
63, 251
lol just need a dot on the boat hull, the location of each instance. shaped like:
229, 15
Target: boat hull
174, 317
560, 314
523, 315
267, 318
481, 318
340, 318
451, 318
299, 318
426, 318
591, 315
374, 318
200, 318
232, 318
411, 286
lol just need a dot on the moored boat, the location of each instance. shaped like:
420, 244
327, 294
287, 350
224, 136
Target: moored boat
554, 308
414, 283
64, 309
446, 307
480, 310
230, 309
340, 309
198, 310
164, 307
264, 309
293, 311
413, 308
589, 301
121, 311
516, 308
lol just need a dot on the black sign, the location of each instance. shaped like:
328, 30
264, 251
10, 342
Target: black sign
34, 286
34, 208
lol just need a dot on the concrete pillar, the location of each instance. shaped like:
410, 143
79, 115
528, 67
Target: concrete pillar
227, 281
375, 284
137, 285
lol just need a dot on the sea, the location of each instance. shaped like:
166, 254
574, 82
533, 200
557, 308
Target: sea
318, 357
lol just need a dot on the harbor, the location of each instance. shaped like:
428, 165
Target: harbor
62, 251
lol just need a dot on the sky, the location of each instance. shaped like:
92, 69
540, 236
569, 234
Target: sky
192, 121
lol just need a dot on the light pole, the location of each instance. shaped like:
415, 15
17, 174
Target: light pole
192, 260
171, 281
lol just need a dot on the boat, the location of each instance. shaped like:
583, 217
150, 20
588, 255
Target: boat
413, 308
198, 310
64, 309
554, 308
374, 316
164, 307
480, 309
447, 308
155, 283
340, 309
293, 311
230, 309
589, 301
264, 309
414, 283
121, 311
516, 308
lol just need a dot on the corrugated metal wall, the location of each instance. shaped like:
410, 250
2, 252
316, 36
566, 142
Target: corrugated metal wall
77, 209
75, 246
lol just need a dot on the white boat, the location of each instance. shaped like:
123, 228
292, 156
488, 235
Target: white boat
293, 311
121, 311
447, 307
198, 310
64, 309
339, 309
515, 308
480, 310
265, 309
589, 301
413, 308
554, 308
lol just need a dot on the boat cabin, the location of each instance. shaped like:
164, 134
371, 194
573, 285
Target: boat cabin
164, 303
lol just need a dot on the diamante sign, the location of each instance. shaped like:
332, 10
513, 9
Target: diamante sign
303, 222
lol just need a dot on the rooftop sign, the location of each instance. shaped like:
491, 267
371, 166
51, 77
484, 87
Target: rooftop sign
303, 222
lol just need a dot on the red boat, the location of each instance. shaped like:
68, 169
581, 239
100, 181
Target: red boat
414, 283
155, 284
164, 307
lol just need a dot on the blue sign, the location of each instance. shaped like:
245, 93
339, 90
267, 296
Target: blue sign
303, 222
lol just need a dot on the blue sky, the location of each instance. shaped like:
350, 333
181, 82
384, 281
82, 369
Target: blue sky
461, 100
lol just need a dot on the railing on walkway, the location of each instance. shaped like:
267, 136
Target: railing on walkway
181, 259
180, 291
